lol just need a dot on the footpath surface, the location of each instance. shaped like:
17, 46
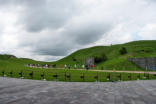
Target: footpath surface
97, 70
22, 91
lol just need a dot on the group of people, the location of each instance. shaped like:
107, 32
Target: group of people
75, 66
65, 66
38, 65
79, 67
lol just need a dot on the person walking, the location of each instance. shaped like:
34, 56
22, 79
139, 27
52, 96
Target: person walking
78, 66
65, 66
83, 66
75, 66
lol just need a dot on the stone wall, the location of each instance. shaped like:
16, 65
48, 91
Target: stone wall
149, 63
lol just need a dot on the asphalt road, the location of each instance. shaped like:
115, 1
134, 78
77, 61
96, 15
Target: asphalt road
21, 91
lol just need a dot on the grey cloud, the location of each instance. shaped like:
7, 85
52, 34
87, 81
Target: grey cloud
20, 2
38, 15
53, 15
56, 27
89, 33
53, 48
50, 14
71, 39
54, 51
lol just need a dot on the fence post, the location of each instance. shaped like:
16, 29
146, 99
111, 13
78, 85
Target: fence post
65, 75
114, 75
139, 76
11, 74
56, 77
130, 77
69, 77
3, 72
42, 75
148, 76
31, 74
108, 77
21, 74
96, 77
82, 77
120, 77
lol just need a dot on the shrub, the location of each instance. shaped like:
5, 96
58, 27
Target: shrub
123, 51
73, 58
100, 58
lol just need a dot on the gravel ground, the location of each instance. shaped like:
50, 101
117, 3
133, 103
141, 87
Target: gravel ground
22, 91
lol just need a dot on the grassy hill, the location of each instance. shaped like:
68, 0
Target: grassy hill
144, 48
114, 59
11, 64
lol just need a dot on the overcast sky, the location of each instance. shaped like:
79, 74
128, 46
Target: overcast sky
48, 30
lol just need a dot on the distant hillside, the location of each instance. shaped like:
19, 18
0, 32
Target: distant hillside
145, 48
12, 62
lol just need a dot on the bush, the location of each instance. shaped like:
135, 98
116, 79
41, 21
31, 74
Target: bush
74, 59
123, 51
100, 58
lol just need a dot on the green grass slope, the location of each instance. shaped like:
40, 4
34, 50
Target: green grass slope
11, 62
114, 59
144, 48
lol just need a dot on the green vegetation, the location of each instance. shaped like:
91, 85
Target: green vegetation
123, 51
73, 75
115, 60
101, 58
107, 58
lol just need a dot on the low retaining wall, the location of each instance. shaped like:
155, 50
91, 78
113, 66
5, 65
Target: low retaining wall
145, 63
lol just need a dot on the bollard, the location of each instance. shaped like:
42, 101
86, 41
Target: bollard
120, 77
148, 76
65, 75
3, 72
154, 75
138, 76
55, 76
130, 77
82, 77
69, 77
31, 74
11, 74
96, 77
42, 75
144, 75
108, 77
21, 74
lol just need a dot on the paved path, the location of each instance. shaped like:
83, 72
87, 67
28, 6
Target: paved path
21, 91
120, 71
